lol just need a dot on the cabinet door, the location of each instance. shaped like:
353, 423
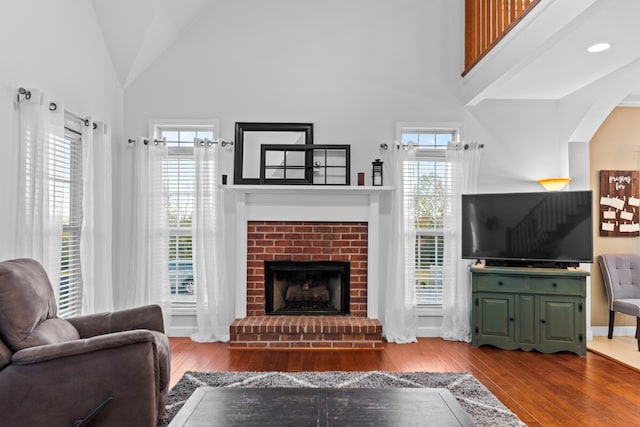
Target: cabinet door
560, 318
494, 319
526, 320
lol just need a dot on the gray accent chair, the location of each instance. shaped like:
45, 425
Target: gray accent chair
621, 275
106, 369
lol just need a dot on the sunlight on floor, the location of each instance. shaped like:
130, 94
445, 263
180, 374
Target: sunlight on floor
620, 349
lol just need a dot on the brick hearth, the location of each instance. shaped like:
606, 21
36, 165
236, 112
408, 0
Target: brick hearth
306, 241
306, 332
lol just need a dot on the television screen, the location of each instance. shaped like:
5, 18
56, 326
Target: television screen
546, 227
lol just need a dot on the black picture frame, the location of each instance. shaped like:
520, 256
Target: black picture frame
310, 168
248, 148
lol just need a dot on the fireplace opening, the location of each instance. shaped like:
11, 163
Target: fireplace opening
306, 287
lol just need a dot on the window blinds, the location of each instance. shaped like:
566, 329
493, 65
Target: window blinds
65, 171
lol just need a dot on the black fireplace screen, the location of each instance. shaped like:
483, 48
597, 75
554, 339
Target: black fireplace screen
306, 287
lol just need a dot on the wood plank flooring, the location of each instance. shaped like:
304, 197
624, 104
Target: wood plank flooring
542, 389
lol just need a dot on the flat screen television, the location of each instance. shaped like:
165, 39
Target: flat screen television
545, 229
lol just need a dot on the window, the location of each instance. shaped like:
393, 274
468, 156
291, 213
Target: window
430, 185
65, 170
179, 172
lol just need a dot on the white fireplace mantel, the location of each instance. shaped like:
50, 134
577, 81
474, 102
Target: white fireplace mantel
307, 203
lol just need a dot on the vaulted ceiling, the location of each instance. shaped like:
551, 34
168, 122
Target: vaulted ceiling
545, 58
137, 32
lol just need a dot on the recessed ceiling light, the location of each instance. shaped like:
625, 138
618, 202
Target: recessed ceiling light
599, 47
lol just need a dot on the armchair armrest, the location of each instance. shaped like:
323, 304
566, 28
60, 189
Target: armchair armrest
44, 353
145, 317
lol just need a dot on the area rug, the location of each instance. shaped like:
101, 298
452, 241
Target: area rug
483, 407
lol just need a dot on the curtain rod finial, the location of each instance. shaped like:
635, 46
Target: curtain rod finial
23, 91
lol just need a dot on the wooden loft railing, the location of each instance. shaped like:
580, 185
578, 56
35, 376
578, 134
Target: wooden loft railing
487, 22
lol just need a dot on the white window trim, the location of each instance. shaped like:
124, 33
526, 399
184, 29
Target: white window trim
429, 126
457, 127
154, 124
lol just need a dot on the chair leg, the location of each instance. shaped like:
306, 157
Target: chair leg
612, 319
638, 331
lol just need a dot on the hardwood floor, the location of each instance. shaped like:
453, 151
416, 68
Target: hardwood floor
542, 389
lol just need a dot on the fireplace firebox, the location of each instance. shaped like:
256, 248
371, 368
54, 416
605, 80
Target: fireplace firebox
306, 288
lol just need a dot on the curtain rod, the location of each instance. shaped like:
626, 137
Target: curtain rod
209, 142
196, 140
53, 107
146, 141
385, 146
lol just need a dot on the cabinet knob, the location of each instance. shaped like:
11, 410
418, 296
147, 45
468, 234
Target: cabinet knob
500, 283
555, 285
511, 319
543, 321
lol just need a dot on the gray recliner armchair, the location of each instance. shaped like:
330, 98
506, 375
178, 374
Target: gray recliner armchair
621, 276
106, 369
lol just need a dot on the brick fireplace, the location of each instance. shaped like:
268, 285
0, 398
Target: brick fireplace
307, 224
306, 241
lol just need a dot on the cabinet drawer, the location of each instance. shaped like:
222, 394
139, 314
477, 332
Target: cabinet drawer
495, 283
563, 286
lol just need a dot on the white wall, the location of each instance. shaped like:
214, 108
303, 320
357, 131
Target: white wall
352, 68
522, 144
56, 47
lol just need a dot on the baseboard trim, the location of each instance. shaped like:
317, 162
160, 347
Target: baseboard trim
428, 332
181, 331
618, 331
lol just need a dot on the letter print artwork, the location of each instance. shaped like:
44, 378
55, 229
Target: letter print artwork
619, 203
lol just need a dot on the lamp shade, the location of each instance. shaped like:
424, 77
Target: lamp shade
554, 184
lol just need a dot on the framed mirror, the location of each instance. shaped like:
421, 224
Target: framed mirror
250, 137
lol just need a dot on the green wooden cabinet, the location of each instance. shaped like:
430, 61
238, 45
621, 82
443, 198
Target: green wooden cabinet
529, 309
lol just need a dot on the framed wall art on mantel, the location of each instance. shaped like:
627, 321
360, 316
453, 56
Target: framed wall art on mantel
619, 203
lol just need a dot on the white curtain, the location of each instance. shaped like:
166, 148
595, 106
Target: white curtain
148, 277
213, 292
400, 309
95, 244
39, 228
463, 160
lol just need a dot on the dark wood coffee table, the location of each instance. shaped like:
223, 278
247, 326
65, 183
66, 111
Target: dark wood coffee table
215, 406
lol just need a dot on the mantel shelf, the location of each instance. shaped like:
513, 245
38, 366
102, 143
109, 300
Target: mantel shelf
308, 189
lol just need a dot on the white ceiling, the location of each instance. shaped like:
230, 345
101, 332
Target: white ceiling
137, 32
544, 58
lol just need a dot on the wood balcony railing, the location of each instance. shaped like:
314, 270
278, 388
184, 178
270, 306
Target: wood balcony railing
487, 22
